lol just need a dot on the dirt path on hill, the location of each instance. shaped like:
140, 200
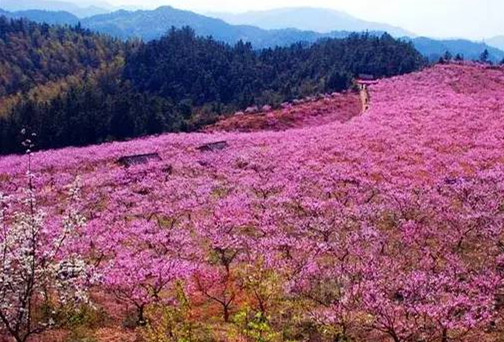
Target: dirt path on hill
365, 99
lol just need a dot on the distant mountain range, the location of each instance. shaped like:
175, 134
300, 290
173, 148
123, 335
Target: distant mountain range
152, 24
43, 16
497, 42
321, 20
86, 8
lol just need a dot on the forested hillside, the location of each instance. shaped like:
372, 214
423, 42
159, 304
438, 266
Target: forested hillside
240, 76
65, 84
74, 87
32, 54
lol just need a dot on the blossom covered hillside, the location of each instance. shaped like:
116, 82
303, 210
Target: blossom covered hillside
313, 111
387, 227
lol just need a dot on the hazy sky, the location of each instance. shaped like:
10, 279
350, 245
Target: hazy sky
476, 19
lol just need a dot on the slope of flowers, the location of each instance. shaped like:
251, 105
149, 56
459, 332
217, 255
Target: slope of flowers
386, 227
331, 108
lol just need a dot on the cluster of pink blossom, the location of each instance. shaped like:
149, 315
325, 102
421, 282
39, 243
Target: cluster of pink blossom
338, 107
390, 224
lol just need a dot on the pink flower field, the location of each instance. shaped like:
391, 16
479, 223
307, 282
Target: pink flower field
386, 227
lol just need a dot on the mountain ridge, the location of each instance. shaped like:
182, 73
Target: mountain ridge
43, 16
139, 24
321, 20
153, 24
88, 9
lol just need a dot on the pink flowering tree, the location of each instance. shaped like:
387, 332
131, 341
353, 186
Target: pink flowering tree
224, 245
149, 249
145, 266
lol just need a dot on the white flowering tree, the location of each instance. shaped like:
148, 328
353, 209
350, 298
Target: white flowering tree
40, 274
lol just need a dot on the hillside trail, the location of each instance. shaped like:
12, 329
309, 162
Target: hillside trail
365, 99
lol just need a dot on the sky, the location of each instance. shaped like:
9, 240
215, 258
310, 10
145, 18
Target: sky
474, 19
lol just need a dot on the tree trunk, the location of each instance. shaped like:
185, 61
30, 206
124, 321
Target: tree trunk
444, 338
141, 319
226, 313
